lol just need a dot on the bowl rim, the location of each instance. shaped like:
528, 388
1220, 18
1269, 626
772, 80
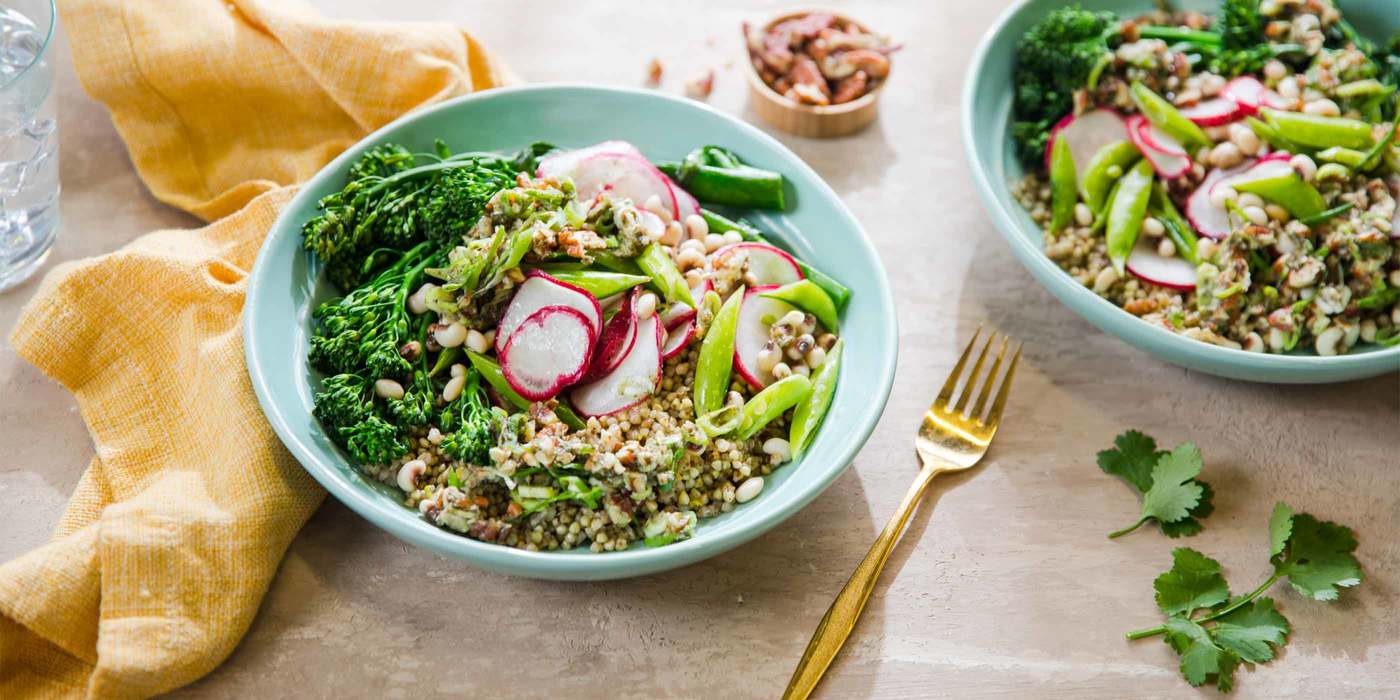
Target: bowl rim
1161, 343
570, 565
767, 92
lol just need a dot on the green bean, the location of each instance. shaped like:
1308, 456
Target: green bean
713, 174
1097, 179
1127, 211
840, 293
1318, 131
806, 295
491, 372
1166, 117
1327, 215
767, 405
1062, 185
656, 262
599, 283
808, 415
716, 361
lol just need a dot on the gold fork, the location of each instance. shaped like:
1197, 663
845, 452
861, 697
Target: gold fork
948, 441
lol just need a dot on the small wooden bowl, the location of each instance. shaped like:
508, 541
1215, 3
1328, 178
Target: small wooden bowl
812, 121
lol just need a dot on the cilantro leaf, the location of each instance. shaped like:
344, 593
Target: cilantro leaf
1188, 526
1316, 557
1132, 460
1172, 495
1202, 660
1280, 528
1174, 490
1194, 582
1252, 631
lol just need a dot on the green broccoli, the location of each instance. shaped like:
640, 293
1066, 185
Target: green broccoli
365, 329
345, 407
469, 423
1053, 59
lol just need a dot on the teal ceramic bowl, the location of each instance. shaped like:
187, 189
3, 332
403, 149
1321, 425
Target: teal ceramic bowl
986, 119
285, 286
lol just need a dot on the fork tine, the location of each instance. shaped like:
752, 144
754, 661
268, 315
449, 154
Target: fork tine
995, 416
971, 384
952, 383
991, 379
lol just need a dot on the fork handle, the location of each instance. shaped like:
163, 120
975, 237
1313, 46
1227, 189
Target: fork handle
841, 617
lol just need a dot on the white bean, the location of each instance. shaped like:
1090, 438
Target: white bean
434, 436
476, 341
1105, 279
1394, 278
1277, 213
1166, 248
451, 335
815, 357
696, 227
457, 370
778, 447
1323, 107
1368, 331
782, 371
1083, 215
792, 318
1256, 215
713, 242
388, 389
653, 205
733, 237
749, 490
672, 235
690, 257
418, 301
454, 388
1303, 165
645, 306
1225, 155
1274, 69
1153, 227
1249, 199
409, 473
1328, 341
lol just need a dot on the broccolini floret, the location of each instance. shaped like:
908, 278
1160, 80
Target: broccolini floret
365, 329
345, 407
1054, 59
469, 423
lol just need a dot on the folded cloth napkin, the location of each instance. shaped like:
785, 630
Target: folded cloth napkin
176, 528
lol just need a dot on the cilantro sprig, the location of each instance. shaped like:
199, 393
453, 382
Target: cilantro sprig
1171, 494
1213, 632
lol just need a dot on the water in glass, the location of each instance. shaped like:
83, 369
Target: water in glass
28, 141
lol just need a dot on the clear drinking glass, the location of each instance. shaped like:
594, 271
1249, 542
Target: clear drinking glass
28, 139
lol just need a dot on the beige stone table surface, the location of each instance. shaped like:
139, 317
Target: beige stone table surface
1005, 585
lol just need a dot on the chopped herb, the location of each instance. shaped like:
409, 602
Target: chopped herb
1172, 496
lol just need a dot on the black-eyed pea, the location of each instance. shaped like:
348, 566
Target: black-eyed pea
388, 389
696, 227
408, 475
476, 341
451, 335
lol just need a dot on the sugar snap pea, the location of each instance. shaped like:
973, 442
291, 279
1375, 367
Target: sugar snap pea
1062, 185
1318, 131
491, 372
718, 223
1165, 116
1098, 179
1127, 211
716, 361
808, 414
599, 283
806, 295
657, 263
765, 406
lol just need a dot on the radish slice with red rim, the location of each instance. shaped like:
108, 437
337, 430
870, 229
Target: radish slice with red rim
548, 351
767, 264
1250, 94
561, 163
1214, 112
617, 338
757, 314
676, 314
631, 382
1165, 153
1174, 272
538, 291
1086, 134
1205, 216
677, 338
624, 175
685, 203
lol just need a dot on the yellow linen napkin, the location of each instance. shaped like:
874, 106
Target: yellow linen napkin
176, 528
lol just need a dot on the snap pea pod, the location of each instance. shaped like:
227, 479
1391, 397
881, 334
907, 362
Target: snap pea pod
720, 421
806, 295
1289, 191
1127, 211
491, 372
1268, 134
599, 283
1062, 185
1165, 116
1178, 229
1318, 131
1332, 171
626, 266
1360, 88
840, 293
713, 174
1098, 174
808, 415
1349, 157
657, 263
767, 405
716, 361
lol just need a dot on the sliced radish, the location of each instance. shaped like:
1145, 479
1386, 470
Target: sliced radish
1205, 216
562, 163
698, 291
1086, 134
685, 203
548, 351
767, 264
626, 175
631, 382
757, 314
616, 340
1174, 272
1165, 153
676, 314
538, 291
1214, 112
677, 338
1251, 94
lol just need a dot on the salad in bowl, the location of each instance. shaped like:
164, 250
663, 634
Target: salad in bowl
559, 348
1232, 178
